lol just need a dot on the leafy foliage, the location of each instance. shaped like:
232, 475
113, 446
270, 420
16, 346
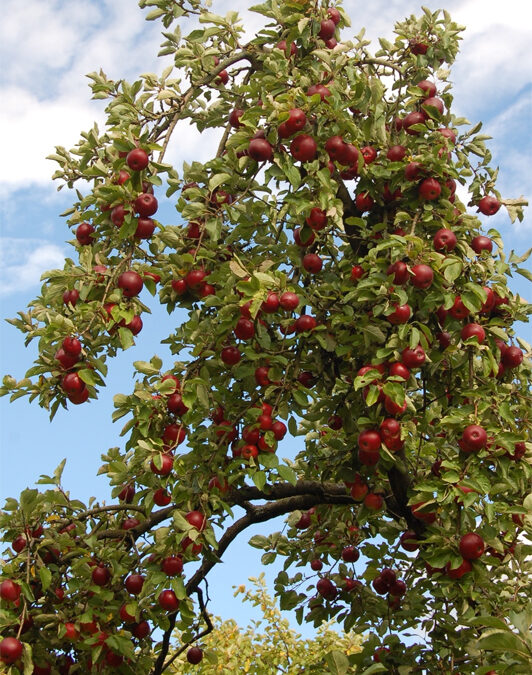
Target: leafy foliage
337, 287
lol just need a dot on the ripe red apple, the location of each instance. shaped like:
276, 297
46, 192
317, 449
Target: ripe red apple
369, 440
481, 243
145, 228
317, 219
399, 271
364, 202
172, 565
194, 655
134, 583
326, 588
118, 214
162, 465
307, 239
320, 89
429, 88
131, 283
357, 272
260, 150
168, 600
400, 315
71, 383
473, 330
71, 297
10, 650
373, 502
350, 554
174, 434
429, 189
397, 588
474, 437
396, 153
279, 430
289, 301
66, 360
101, 575
369, 154
458, 572
312, 263
296, 120
305, 323
230, 355
512, 357
334, 147
422, 276
145, 205
399, 370
137, 159
84, 234
127, 493
489, 205
234, 118
413, 358
413, 170
413, 118
9, 590
244, 329
471, 546
444, 240
434, 102
327, 29
303, 148
283, 46
458, 310
390, 428
409, 541
197, 520
271, 304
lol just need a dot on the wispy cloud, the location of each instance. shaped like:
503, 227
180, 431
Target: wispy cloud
22, 261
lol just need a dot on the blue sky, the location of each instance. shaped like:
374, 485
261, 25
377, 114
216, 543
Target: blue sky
46, 48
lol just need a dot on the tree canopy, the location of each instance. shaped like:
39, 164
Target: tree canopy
340, 291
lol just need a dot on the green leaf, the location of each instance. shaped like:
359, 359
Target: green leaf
217, 180
337, 662
287, 474
87, 375
259, 478
259, 541
46, 577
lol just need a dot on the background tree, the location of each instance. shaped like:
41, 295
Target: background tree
338, 289
268, 645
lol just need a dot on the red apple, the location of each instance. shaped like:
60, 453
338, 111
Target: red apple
137, 159
168, 600
145, 205
444, 240
471, 546
84, 234
474, 437
422, 276
429, 189
317, 219
489, 205
481, 243
312, 263
10, 650
131, 283
260, 150
194, 655
303, 148
473, 330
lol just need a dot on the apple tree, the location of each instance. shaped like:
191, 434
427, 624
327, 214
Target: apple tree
339, 290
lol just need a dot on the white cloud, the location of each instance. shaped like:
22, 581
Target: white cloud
46, 99
32, 256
